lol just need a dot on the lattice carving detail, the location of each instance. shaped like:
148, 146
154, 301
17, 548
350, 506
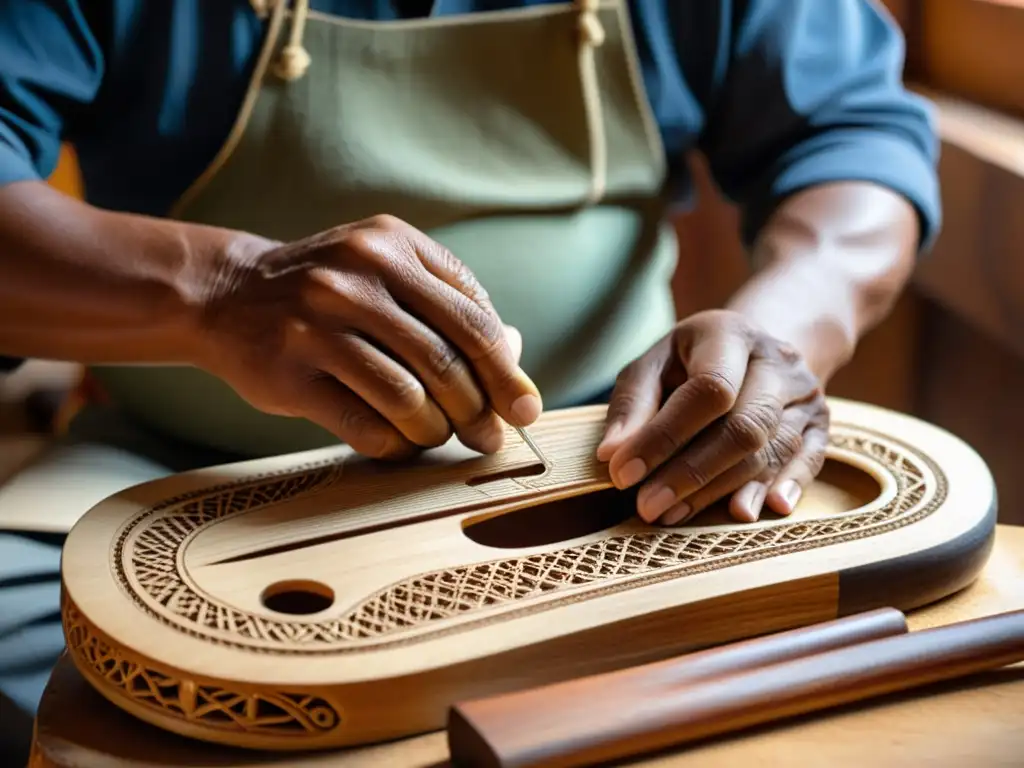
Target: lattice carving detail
460, 591
427, 604
267, 712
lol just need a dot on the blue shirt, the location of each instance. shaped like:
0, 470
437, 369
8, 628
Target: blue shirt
778, 94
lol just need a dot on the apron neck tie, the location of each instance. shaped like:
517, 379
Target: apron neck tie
590, 25
592, 36
294, 60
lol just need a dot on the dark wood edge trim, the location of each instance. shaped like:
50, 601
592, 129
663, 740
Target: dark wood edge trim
467, 744
924, 577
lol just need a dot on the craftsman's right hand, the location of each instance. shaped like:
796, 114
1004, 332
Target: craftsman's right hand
371, 330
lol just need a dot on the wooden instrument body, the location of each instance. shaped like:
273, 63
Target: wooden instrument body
442, 590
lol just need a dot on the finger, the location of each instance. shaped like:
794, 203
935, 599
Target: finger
789, 484
446, 295
748, 502
727, 482
443, 372
435, 286
716, 366
761, 465
635, 399
446, 266
326, 402
382, 383
743, 432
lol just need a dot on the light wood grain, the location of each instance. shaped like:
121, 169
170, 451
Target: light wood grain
973, 722
422, 603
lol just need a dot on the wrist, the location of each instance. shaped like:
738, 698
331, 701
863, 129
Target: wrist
155, 284
804, 306
212, 264
830, 265
103, 287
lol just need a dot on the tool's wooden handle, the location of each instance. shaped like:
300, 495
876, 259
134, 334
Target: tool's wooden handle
572, 714
732, 702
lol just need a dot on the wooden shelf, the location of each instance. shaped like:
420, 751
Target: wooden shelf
976, 269
972, 48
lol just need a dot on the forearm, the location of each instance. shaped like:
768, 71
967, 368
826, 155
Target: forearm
79, 283
830, 265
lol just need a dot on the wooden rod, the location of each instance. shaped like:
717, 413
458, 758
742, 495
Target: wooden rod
597, 702
714, 706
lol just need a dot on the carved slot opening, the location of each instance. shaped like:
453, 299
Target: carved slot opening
554, 521
297, 597
530, 470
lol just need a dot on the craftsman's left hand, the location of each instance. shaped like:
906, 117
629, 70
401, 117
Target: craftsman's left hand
717, 407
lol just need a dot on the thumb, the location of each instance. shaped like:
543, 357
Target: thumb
634, 400
515, 342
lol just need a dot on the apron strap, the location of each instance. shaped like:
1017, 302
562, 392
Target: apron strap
294, 59
592, 36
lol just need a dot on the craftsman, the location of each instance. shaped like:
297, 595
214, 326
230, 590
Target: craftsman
387, 223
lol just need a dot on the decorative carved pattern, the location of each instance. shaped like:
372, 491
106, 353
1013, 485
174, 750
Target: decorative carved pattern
154, 563
268, 712
436, 603
460, 591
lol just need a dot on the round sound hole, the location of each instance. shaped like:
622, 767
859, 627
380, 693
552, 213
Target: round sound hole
297, 597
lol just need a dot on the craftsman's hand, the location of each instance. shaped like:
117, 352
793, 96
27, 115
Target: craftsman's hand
371, 330
717, 407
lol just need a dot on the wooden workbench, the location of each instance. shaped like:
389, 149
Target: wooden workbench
977, 723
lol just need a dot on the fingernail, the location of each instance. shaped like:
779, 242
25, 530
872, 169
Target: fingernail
491, 442
655, 501
631, 473
526, 409
677, 514
791, 493
749, 500
606, 447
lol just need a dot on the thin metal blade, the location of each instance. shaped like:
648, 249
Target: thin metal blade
532, 445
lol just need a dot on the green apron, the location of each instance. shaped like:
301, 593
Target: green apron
521, 140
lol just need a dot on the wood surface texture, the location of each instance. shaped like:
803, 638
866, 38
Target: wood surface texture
428, 587
607, 714
679, 714
971, 48
971, 271
969, 367
973, 722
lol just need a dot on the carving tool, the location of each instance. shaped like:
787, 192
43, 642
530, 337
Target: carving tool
533, 446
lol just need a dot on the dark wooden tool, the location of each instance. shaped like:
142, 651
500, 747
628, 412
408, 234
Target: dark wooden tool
630, 712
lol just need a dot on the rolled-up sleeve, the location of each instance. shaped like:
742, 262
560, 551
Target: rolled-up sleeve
50, 71
813, 93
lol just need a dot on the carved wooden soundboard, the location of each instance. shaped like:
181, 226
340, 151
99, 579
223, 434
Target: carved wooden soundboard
322, 599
